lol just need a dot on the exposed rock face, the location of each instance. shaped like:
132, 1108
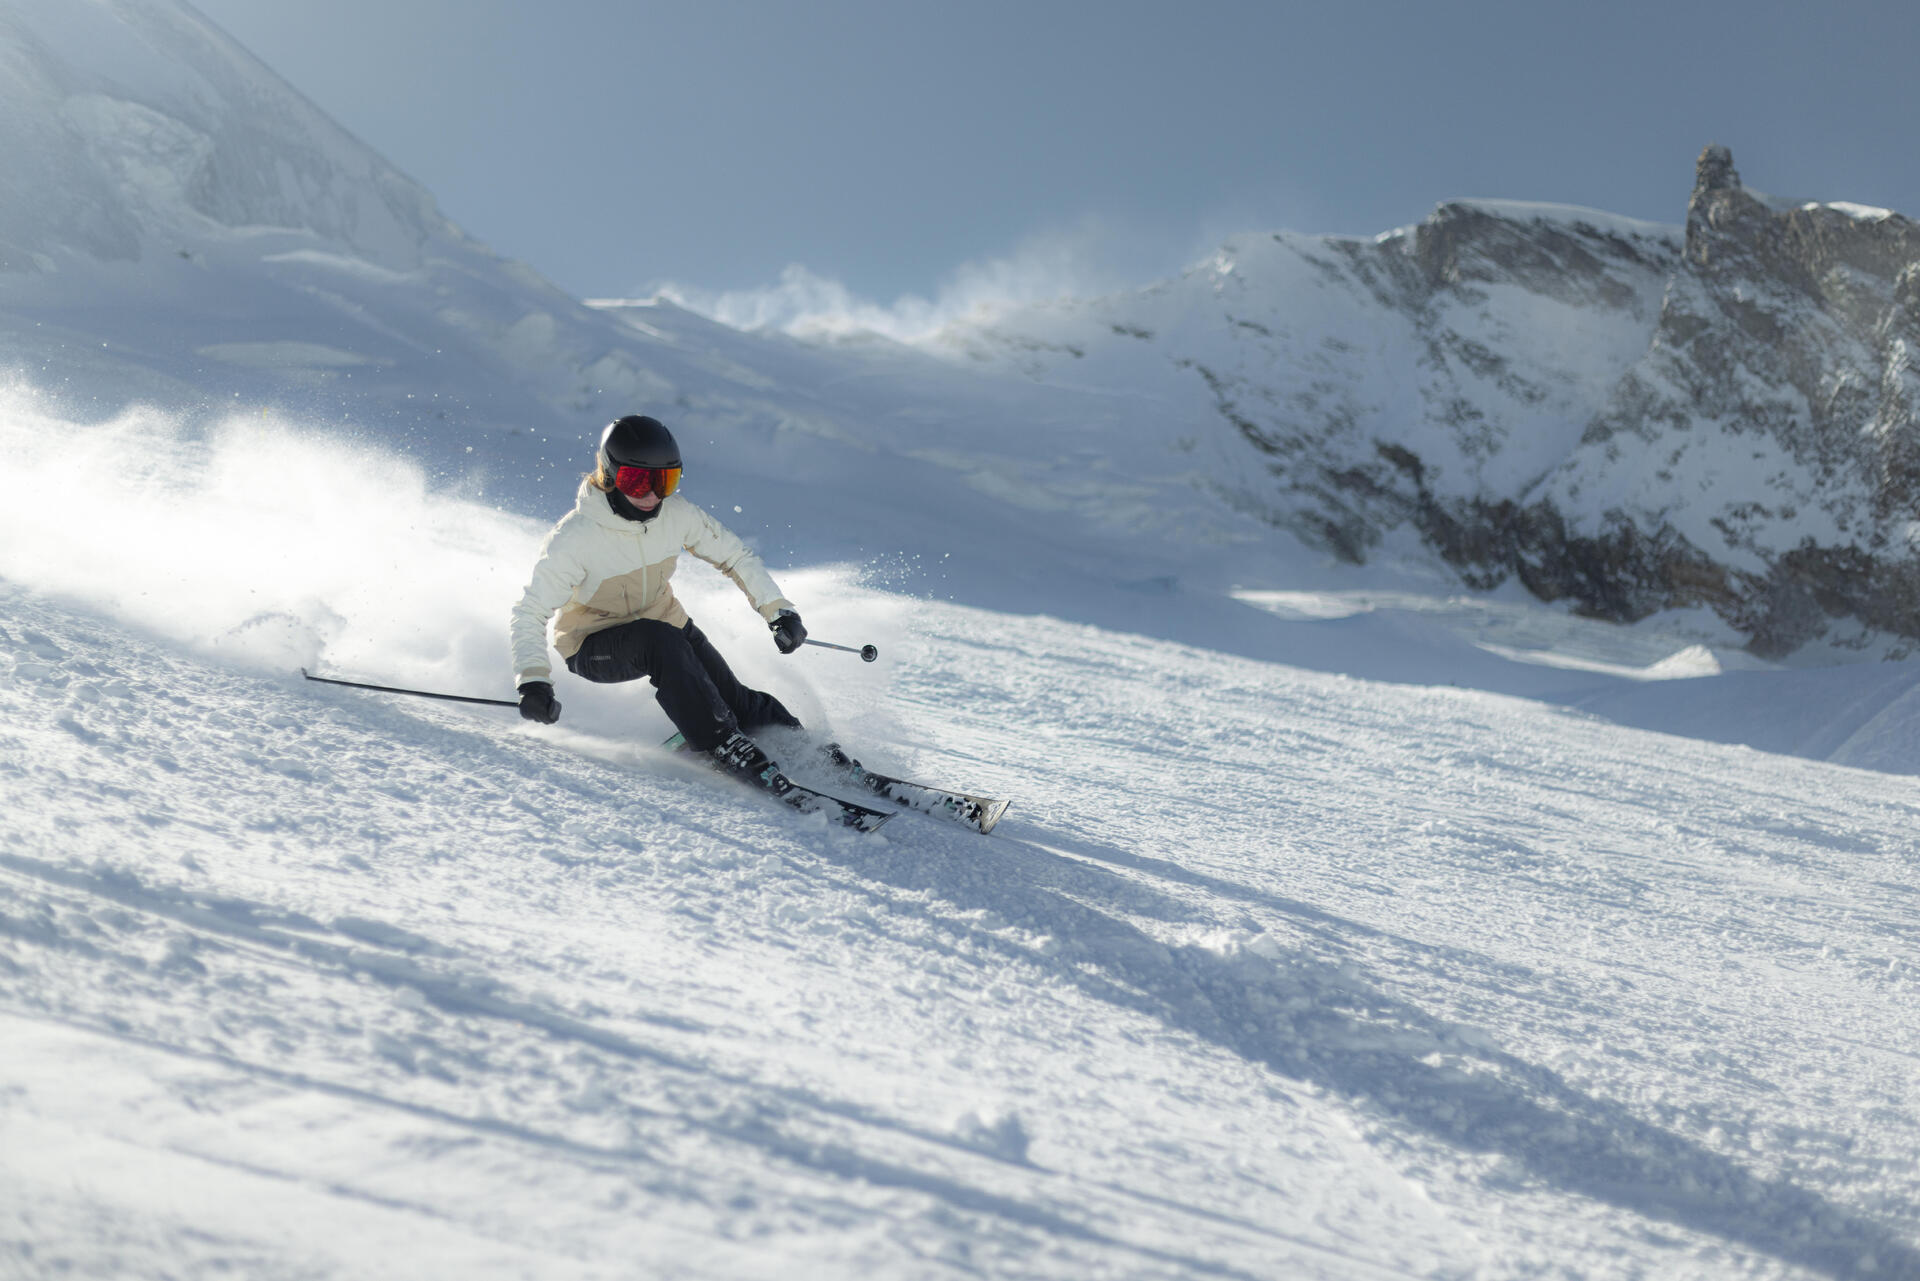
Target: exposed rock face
1628, 416
1762, 458
1768, 440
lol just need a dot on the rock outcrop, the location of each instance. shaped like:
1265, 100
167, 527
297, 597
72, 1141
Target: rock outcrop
1627, 416
1767, 444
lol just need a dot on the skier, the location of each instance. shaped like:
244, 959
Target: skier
606, 568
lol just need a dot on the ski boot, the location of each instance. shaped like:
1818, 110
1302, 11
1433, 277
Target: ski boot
741, 757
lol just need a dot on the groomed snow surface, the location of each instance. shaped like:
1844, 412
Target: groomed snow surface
1271, 971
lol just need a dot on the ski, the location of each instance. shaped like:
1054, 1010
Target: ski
977, 812
805, 799
846, 813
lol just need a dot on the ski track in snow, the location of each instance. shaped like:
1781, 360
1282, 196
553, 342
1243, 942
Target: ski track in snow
1268, 973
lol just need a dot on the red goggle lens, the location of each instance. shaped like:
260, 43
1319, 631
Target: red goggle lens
636, 482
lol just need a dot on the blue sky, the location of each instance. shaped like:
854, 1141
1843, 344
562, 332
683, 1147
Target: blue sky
895, 147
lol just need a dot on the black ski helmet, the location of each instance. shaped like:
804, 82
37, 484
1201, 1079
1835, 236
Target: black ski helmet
637, 441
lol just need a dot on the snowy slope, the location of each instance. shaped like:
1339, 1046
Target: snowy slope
1272, 971
1349, 979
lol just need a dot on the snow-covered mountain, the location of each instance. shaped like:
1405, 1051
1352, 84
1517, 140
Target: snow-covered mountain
1364, 384
185, 231
178, 226
1763, 457
1631, 417
132, 130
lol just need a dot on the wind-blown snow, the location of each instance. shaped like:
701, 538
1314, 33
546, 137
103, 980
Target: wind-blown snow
1062, 265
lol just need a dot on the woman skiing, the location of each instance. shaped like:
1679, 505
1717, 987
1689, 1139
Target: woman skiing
607, 568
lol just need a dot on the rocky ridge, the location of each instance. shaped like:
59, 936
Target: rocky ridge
1763, 457
1627, 416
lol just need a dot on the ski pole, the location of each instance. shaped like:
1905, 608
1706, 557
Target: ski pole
417, 693
867, 652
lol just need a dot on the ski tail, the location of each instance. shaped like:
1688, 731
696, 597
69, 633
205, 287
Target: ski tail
845, 813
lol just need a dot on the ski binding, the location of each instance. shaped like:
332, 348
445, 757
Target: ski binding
804, 799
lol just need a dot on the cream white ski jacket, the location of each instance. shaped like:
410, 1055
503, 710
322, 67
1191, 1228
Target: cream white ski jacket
600, 569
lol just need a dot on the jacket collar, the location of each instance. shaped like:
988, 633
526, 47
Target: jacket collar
592, 504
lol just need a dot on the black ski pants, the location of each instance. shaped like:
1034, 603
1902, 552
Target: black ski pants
694, 685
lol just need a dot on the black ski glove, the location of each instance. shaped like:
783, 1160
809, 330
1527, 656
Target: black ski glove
788, 631
537, 702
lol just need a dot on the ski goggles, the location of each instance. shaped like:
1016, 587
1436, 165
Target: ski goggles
636, 482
